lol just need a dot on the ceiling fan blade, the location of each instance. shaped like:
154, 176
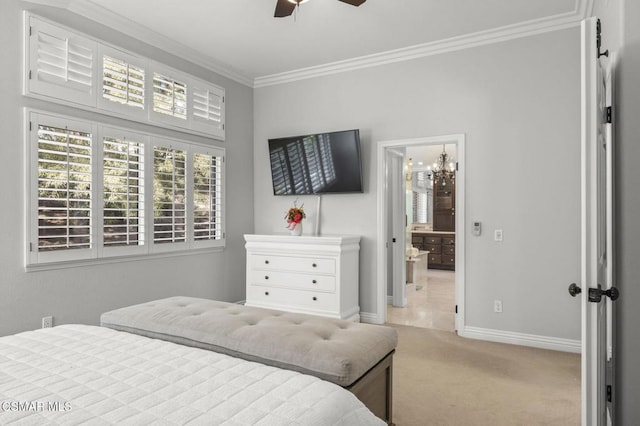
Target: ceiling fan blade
353, 2
284, 8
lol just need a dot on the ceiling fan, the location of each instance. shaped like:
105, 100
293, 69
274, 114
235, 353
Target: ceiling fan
285, 8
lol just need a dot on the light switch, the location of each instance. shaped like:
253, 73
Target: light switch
477, 229
497, 235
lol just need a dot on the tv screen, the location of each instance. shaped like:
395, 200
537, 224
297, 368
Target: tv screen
322, 163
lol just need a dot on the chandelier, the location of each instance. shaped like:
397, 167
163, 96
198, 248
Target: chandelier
443, 169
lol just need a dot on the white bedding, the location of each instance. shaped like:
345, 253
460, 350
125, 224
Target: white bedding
76, 374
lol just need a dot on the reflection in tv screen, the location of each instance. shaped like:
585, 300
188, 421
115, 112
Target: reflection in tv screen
316, 164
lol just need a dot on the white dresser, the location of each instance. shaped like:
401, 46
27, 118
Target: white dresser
312, 275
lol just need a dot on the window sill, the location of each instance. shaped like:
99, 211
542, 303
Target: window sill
118, 259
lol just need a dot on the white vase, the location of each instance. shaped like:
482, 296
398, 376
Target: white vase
297, 229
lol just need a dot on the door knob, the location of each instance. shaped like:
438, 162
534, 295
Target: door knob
574, 290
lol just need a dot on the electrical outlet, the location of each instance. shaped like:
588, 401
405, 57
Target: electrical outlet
497, 306
47, 322
497, 235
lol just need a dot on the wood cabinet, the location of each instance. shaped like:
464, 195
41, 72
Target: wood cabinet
444, 204
312, 275
441, 248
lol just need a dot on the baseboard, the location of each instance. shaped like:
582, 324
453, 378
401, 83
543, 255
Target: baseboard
389, 300
522, 339
370, 318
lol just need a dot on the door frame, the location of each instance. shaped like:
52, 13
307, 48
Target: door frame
395, 195
381, 249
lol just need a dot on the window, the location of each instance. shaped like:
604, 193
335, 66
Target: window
207, 196
123, 83
67, 67
169, 96
90, 190
169, 195
208, 108
61, 63
123, 190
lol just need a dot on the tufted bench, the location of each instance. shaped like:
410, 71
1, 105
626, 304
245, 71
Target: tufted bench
353, 355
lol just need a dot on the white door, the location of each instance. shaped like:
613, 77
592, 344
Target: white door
597, 226
396, 225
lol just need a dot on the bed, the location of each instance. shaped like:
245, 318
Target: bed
79, 374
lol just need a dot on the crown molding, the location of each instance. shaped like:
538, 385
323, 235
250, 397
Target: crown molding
95, 12
509, 32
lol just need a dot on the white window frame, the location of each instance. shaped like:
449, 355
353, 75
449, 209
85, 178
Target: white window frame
215, 152
130, 111
120, 133
97, 253
55, 88
94, 101
34, 255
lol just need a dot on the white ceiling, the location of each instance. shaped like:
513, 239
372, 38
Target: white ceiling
244, 40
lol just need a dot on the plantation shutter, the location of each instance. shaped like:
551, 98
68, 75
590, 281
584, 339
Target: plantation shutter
312, 154
63, 183
122, 83
61, 63
207, 196
208, 109
169, 98
169, 196
123, 169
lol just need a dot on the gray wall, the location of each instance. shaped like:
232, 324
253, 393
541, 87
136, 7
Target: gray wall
518, 102
81, 294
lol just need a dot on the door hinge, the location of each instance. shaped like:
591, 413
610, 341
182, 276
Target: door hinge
30, 126
456, 166
30, 31
609, 393
29, 74
456, 309
31, 247
607, 115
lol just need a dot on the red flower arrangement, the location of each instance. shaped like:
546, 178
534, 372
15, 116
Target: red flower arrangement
294, 216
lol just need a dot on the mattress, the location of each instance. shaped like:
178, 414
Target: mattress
77, 374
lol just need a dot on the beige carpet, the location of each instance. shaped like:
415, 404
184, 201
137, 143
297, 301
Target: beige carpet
442, 379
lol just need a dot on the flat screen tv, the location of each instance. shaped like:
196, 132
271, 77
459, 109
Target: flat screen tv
321, 163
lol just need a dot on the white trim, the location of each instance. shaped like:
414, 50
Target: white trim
369, 317
522, 339
509, 32
119, 259
93, 11
381, 286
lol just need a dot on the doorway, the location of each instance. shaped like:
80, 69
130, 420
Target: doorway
408, 242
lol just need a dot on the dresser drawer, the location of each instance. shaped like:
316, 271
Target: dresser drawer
433, 249
292, 263
432, 240
284, 297
293, 280
448, 241
449, 250
435, 259
448, 260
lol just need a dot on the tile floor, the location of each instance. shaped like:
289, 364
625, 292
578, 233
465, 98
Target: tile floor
430, 301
